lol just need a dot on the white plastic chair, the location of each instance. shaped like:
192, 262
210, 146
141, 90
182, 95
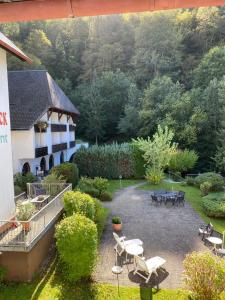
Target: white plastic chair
148, 266
221, 251
122, 243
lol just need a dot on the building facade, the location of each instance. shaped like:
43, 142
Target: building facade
43, 122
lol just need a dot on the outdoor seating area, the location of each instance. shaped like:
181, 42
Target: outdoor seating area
153, 236
134, 248
175, 198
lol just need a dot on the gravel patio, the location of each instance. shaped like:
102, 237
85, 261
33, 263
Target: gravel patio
169, 232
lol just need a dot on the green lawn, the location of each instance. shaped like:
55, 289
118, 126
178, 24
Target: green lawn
52, 287
115, 185
193, 195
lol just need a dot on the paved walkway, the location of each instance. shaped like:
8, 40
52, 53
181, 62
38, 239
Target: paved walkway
169, 232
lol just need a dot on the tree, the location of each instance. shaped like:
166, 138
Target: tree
210, 67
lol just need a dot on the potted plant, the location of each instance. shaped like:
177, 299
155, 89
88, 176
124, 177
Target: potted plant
117, 223
24, 213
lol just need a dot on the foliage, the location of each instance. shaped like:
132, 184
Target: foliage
216, 180
138, 161
49, 183
158, 150
68, 171
101, 214
3, 273
190, 180
76, 241
116, 220
22, 180
182, 161
95, 187
154, 176
127, 74
25, 211
108, 161
214, 205
205, 187
106, 196
77, 202
204, 275
17, 190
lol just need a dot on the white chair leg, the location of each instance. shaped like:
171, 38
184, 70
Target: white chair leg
148, 278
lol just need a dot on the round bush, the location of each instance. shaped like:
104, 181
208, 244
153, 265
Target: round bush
204, 275
205, 188
105, 196
77, 202
215, 179
214, 207
76, 241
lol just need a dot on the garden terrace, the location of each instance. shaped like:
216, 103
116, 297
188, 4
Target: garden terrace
13, 236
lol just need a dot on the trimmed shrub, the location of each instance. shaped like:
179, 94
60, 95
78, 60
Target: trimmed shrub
67, 171
94, 187
213, 208
22, 180
204, 275
108, 161
154, 176
215, 179
76, 241
77, 202
205, 188
182, 161
106, 196
101, 214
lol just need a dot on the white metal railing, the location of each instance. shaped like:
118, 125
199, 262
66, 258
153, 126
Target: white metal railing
22, 234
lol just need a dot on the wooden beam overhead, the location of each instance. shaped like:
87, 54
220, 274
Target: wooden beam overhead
52, 9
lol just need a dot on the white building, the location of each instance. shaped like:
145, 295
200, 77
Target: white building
7, 205
43, 122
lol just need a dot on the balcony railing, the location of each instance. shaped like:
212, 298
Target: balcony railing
42, 151
59, 147
58, 128
13, 234
72, 144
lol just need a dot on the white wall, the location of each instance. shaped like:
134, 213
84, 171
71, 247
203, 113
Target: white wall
23, 147
7, 205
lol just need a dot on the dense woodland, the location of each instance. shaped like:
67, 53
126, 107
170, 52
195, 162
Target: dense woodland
127, 74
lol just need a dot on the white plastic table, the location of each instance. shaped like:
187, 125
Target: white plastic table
133, 250
215, 241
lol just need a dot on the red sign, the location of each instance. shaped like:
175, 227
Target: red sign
3, 119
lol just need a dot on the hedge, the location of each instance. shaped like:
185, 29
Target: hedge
216, 181
108, 161
214, 205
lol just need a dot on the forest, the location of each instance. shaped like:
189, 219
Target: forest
129, 73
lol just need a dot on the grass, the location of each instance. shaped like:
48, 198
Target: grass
115, 185
52, 287
193, 195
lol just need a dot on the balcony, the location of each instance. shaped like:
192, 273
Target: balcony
72, 144
59, 147
42, 151
58, 128
13, 237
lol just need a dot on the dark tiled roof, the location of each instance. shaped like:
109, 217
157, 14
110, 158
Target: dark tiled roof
31, 94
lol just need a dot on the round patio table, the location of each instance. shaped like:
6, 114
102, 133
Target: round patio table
215, 241
133, 250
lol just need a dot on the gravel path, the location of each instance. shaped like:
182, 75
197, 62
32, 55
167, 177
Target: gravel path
169, 232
